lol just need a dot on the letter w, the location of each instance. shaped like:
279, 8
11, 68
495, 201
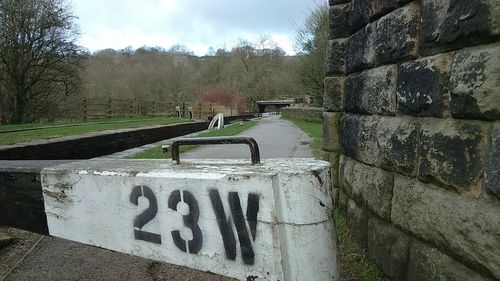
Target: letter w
225, 226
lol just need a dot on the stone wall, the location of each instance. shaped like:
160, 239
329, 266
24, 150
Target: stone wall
313, 114
96, 144
21, 199
412, 128
102, 143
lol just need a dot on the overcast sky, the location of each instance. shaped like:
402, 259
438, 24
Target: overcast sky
198, 24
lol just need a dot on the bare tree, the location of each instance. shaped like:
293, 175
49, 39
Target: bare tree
256, 66
255, 70
39, 59
310, 45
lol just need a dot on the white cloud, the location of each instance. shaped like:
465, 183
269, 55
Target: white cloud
196, 24
121, 38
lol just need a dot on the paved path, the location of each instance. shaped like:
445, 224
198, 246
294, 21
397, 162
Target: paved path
58, 259
277, 138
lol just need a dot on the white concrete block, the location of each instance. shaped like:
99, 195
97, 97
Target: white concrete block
271, 220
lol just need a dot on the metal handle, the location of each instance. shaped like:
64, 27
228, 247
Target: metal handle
254, 147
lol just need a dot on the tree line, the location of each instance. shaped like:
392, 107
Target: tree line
176, 75
45, 74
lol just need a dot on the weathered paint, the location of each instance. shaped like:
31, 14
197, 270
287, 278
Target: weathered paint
272, 221
219, 119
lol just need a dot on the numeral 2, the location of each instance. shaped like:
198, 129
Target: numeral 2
147, 215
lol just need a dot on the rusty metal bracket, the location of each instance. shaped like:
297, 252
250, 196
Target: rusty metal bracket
254, 147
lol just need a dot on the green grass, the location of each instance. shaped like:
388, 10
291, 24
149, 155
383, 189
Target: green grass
80, 128
156, 152
354, 263
314, 130
9, 127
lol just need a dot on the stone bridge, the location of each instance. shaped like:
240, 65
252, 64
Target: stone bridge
278, 104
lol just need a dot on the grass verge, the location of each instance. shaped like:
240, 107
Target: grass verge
354, 263
78, 128
40, 125
157, 153
313, 130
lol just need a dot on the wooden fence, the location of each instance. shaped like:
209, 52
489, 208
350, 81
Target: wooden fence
99, 108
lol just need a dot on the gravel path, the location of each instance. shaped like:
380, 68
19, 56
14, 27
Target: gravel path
59, 259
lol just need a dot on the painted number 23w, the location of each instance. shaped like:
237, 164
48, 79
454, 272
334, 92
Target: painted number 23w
190, 220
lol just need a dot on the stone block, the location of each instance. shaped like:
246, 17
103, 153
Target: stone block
342, 167
365, 11
454, 24
350, 130
333, 158
342, 201
492, 173
372, 186
397, 34
338, 18
452, 153
331, 131
325, 155
5, 239
428, 263
360, 14
335, 61
422, 86
96, 144
358, 51
334, 94
381, 141
388, 247
464, 226
357, 221
335, 2
335, 197
389, 39
372, 91
474, 83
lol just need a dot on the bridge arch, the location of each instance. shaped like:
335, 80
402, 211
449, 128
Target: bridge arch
274, 103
